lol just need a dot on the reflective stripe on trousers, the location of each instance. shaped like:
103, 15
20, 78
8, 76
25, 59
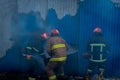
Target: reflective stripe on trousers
58, 59
53, 77
99, 60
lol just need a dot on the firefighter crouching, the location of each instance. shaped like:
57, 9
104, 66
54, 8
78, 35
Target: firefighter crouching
57, 49
34, 55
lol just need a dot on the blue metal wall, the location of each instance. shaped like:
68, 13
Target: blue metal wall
78, 29
69, 27
75, 29
104, 14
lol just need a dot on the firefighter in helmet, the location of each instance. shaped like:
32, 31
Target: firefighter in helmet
97, 49
57, 49
33, 52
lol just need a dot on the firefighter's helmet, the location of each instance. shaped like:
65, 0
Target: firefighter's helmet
45, 35
55, 31
98, 30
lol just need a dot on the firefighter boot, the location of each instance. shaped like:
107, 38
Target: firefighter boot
53, 77
100, 77
87, 77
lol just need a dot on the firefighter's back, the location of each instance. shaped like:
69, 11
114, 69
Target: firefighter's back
58, 46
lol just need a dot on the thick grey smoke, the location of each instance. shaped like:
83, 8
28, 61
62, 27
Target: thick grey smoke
31, 15
8, 9
26, 6
62, 7
116, 1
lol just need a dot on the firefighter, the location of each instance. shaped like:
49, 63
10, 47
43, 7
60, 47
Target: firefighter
30, 47
56, 47
97, 49
45, 37
33, 52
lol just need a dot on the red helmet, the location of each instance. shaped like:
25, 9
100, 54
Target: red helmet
45, 35
55, 31
97, 30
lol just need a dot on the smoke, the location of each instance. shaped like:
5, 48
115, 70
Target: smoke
20, 20
116, 1
7, 10
62, 7
26, 6
29, 26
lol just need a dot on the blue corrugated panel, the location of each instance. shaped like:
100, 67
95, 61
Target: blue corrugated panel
101, 13
75, 29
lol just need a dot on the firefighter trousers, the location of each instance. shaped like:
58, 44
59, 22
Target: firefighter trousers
54, 69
